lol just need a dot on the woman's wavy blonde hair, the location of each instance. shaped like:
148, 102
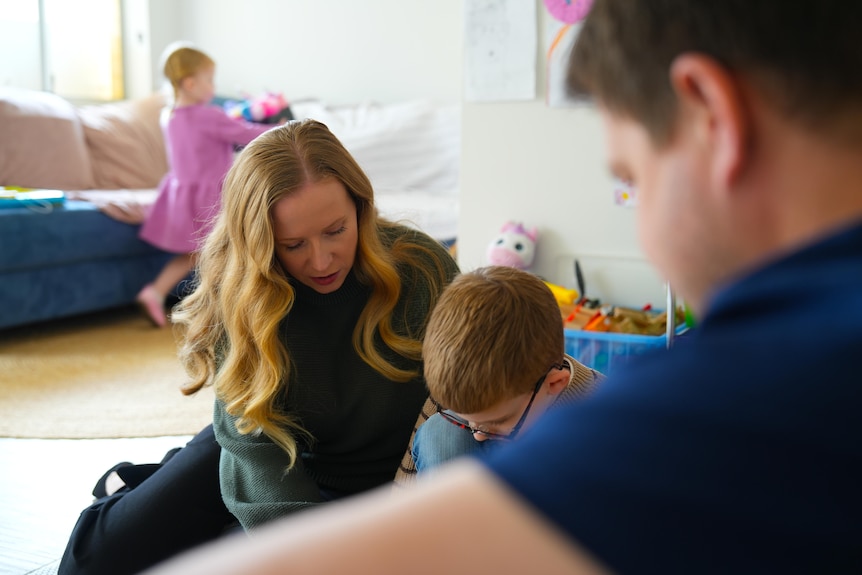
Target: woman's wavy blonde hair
231, 320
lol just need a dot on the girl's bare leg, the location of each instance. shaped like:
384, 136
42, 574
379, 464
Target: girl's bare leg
152, 297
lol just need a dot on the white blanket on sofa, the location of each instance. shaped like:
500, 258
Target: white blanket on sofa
409, 150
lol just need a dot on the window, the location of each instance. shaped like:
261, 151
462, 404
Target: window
73, 49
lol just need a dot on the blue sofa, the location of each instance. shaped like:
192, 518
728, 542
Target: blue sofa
69, 259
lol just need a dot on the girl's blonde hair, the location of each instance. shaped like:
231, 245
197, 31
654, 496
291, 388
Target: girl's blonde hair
181, 61
232, 318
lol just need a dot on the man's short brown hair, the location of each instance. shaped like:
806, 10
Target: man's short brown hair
492, 334
805, 57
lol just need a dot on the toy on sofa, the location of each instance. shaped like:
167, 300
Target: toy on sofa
514, 246
17, 197
268, 108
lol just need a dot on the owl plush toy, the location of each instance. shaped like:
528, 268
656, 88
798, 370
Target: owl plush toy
514, 246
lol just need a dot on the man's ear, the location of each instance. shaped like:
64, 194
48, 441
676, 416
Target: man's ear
710, 96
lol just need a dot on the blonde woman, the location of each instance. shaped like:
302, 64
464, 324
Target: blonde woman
307, 318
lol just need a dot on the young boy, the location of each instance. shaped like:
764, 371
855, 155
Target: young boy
491, 334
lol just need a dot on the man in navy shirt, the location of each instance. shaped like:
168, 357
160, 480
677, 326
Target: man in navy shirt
739, 122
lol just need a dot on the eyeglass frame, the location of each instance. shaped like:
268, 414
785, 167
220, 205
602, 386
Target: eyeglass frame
464, 424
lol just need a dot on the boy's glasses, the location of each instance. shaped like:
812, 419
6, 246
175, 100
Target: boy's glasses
464, 424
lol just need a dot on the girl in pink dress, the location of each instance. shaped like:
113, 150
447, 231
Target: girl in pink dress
200, 140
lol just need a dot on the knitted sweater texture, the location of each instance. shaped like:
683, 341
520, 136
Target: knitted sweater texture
361, 422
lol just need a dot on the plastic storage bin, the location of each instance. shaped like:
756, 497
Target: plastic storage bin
605, 351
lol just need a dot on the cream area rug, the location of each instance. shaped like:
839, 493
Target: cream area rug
106, 375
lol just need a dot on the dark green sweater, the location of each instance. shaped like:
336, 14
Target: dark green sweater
361, 421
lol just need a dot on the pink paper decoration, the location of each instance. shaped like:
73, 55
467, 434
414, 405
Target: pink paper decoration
568, 11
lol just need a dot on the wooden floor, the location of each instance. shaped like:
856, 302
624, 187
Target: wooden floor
44, 485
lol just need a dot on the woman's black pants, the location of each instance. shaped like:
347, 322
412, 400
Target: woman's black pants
177, 507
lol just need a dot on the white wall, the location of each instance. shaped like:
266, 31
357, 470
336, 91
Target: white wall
148, 27
166, 26
341, 51
546, 168
137, 49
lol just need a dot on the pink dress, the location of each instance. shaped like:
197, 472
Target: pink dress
200, 141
